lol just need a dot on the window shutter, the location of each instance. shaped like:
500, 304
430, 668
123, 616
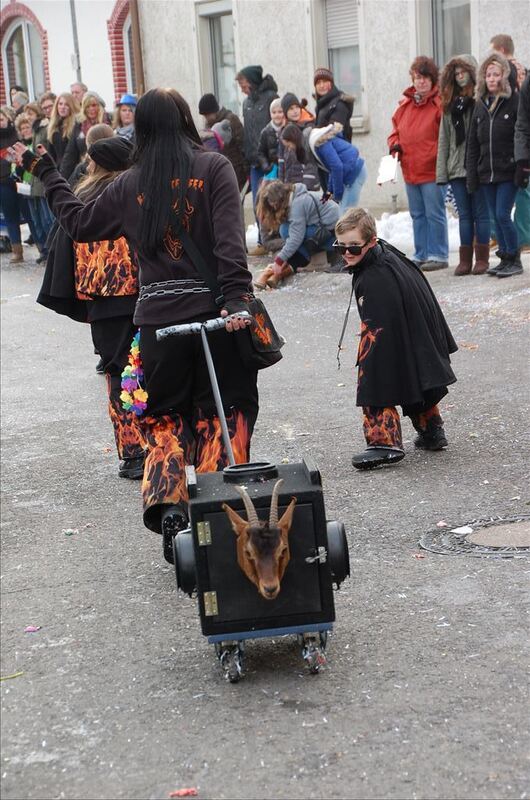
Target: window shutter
342, 23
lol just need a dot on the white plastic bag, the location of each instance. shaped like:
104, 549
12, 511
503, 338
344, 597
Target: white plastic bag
387, 170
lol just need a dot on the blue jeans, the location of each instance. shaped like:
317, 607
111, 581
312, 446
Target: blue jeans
429, 223
11, 210
256, 176
351, 194
522, 216
473, 213
304, 251
42, 220
501, 197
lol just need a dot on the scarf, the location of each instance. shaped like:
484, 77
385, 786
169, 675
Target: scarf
459, 108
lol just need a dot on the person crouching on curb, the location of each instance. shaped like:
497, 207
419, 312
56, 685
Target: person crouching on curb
404, 348
305, 223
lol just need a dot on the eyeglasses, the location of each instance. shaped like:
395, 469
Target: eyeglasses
352, 249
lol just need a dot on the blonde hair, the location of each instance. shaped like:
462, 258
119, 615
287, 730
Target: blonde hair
276, 103
116, 119
88, 97
8, 113
93, 183
97, 132
357, 218
22, 119
64, 124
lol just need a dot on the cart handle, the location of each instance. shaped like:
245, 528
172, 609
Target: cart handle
195, 327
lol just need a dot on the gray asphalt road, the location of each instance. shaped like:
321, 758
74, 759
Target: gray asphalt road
426, 690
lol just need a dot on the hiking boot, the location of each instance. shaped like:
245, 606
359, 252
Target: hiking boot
275, 280
260, 282
374, 457
18, 254
433, 439
132, 468
512, 266
432, 266
174, 520
465, 260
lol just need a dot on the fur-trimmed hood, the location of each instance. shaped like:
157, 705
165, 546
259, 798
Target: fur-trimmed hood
466, 62
318, 136
506, 90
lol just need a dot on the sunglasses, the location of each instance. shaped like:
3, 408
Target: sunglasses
352, 249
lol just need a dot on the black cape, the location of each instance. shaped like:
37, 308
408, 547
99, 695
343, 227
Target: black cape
405, 341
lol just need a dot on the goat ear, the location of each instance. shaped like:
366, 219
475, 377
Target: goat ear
239, 524
286, 520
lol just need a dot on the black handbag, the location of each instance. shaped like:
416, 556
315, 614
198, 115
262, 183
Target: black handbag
321, 236
260, 344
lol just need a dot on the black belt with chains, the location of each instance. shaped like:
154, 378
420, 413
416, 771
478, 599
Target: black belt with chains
179, 287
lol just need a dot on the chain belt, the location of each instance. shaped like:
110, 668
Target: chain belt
166, 288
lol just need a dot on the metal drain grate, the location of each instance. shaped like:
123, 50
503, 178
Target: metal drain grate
489, 538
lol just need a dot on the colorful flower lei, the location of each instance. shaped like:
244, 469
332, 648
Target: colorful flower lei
133, 397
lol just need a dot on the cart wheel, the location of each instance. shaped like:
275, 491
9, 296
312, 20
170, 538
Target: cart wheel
313, 650
167, 547
230, 655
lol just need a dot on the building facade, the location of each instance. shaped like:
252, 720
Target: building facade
198, 46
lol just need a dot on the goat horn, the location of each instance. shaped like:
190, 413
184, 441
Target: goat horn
273, 517
252, 515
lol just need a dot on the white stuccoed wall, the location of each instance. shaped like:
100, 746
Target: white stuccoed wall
94, 47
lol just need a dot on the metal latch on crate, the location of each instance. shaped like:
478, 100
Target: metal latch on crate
210, 604
204, 533
321, 556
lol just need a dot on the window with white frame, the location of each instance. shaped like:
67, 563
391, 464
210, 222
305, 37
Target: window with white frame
130, 71
451, 29
342, 27
22, 57
217, 51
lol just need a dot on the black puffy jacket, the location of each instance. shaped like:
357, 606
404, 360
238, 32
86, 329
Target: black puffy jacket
256, 115
335, 106
490, 146
268, 148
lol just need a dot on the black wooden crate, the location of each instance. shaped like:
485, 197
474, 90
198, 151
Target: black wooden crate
306, 595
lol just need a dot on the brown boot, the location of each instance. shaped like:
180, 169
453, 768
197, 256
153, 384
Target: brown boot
18, 255
466, 259
482, 259
263, 278
275, 280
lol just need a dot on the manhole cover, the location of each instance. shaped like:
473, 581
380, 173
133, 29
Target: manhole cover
497, 537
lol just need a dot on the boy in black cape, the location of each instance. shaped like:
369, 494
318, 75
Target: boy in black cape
404, 347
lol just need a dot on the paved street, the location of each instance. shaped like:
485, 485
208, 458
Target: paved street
117, 695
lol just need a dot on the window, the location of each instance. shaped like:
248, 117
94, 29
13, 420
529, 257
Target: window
129, 56
451, 29
342, 25
23, 59
223, 61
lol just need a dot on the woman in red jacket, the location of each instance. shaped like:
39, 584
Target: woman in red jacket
414, 137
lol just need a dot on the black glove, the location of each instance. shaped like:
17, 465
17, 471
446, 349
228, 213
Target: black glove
522, 174
235, 306
396, 148
37, 165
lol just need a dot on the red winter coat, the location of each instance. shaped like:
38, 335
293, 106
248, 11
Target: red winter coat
415, 128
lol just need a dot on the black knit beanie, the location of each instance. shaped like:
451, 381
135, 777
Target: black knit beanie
289, 100
253, 74
208, 104
113, 154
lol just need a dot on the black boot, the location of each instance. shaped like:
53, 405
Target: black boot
496, 267
132, 468
431, 439
374, 457
174, 519
512, 266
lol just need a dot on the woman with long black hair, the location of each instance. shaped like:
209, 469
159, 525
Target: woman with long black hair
175, 192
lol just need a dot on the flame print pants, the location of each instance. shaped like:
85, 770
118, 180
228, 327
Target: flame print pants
382, 426
112, 338
181, 424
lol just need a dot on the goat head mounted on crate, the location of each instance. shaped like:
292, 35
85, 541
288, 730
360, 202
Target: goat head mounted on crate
263, 546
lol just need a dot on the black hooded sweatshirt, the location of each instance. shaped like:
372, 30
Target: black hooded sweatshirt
405, 342
256, 115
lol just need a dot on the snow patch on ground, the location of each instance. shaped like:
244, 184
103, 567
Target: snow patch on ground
395, 228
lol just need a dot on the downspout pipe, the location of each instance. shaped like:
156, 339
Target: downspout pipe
76, 42
137, 47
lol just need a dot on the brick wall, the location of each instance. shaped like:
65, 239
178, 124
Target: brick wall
117, 49
9, 13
